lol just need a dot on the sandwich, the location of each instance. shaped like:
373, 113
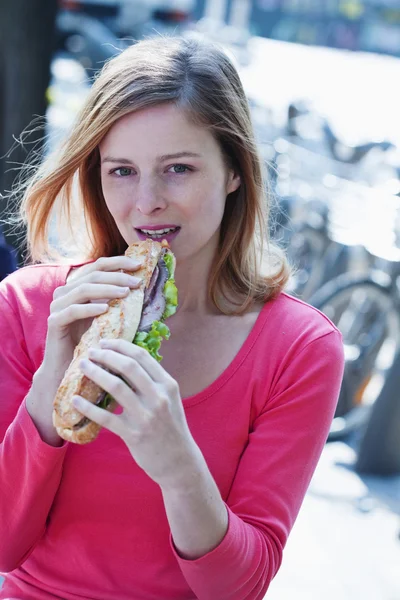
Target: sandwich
138, 318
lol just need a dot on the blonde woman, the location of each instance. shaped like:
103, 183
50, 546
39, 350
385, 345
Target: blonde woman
192, 487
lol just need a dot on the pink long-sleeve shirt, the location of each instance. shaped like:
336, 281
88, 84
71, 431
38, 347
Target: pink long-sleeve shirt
85, 522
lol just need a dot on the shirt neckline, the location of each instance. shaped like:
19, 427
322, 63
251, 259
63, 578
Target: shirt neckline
237, 361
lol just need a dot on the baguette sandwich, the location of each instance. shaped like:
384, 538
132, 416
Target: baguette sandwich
137, 318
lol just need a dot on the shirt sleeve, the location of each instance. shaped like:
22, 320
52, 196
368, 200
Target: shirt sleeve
284, 447
30, 469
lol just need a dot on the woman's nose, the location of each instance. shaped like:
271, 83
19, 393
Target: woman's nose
149, 198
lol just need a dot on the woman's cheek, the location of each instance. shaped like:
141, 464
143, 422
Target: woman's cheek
118, 203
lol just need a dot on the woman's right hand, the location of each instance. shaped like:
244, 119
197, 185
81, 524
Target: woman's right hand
74, 306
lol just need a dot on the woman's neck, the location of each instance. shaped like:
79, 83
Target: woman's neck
192, 283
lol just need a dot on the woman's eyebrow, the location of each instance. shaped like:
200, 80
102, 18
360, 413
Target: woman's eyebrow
111, 159
178, 155
126, 161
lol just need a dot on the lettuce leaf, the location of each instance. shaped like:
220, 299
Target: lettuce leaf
105, 402
171, 297
170, 291
169, 261
151, 340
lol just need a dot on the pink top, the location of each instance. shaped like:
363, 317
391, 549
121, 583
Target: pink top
86, 522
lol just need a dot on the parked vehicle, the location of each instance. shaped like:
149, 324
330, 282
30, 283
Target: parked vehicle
92, 31
366, 309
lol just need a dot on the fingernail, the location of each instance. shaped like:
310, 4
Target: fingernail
134, 280
76, 401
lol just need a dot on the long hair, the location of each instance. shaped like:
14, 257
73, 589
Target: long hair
198, 77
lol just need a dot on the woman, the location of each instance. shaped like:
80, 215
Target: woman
191, 490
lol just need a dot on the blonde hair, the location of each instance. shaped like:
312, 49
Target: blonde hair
198, 77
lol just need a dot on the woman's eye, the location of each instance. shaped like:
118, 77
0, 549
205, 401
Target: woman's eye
180, 168
122, 171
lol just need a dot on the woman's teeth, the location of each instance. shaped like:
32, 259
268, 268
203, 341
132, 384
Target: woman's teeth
158, 232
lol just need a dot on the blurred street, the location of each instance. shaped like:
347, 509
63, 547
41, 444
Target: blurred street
345, 543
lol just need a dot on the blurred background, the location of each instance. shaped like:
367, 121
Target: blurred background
322, 78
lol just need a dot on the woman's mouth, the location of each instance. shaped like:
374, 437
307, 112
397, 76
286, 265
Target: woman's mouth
166, 233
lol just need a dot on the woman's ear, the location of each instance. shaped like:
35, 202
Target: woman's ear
233, 182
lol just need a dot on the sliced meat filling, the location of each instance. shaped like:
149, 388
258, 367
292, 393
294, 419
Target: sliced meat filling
154, 308
82, 423
150, 291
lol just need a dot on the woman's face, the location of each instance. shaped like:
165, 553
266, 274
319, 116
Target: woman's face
159, 171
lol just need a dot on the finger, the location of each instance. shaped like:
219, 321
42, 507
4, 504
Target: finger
119, 389
145, 360
113, 278
75, 313
88, 292
128, 368
106, 265
102, 417
115, 263
106, 277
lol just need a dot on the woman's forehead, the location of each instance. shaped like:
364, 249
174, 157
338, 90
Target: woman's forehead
159, 113
159, 126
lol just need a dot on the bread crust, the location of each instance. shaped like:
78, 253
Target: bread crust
119, 322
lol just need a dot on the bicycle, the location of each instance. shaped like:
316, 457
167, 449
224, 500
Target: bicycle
366, 309
320, 230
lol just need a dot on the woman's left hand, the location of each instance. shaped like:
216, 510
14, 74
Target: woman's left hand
153, 423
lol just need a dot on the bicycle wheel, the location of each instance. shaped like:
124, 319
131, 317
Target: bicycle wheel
379, 448
369, 319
